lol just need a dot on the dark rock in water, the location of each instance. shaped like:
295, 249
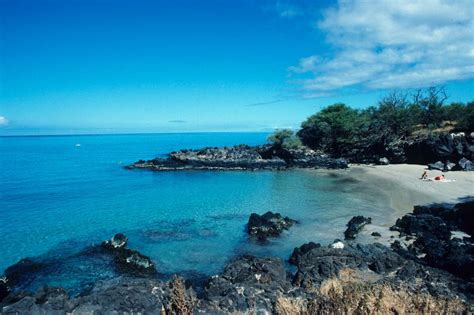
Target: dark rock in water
355, 225
23, 271
376, 234
248, 283
304, 157
132, 262
118, 241
240, 157
303, 249
268, 224
128, 260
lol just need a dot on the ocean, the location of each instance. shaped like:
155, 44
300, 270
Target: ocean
57, 198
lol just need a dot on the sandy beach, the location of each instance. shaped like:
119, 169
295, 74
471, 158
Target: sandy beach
401, 186
406, 189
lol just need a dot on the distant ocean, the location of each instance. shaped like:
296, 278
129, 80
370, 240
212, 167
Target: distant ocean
57, 197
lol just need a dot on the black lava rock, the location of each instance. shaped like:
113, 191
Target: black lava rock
128, 260
268, 225
303, 249
355, 225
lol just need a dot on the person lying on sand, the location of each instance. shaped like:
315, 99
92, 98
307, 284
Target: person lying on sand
440, 179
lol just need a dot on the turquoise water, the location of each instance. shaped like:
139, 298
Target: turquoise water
56, 199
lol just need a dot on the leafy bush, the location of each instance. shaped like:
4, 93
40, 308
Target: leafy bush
466, 122
284, 139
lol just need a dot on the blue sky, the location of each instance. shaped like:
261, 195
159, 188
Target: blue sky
108, 66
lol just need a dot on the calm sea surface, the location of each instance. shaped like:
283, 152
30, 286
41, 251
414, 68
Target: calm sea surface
57, 198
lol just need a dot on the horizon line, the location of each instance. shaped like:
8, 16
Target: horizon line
133, 133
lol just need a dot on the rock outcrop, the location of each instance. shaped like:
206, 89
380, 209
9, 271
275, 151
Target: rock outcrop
434, 244
443, 151
247, 283
328, 280
355, 225
338, 278
268, 225
114, 252
240, 157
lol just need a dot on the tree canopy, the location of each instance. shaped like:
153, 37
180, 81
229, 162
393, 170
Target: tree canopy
339, 128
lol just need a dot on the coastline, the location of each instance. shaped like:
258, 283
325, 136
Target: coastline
370, 264
400, 185
405, 189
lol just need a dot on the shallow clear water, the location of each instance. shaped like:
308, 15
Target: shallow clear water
56, 198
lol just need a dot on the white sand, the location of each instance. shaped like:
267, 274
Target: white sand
401, 184
406, 189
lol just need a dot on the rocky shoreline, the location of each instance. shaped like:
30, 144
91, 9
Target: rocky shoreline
241, 157
428, 269
445, 152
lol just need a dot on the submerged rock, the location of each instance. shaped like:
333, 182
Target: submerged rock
4, 288
128, 260
118, 241
24, 271
355, 225
268, 225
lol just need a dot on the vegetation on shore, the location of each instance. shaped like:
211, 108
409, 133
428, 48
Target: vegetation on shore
340, 129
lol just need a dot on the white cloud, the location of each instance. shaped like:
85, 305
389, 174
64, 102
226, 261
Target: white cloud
3, 121
392, 44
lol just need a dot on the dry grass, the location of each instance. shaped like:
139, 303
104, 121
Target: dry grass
350, 293
290, 306
181, 303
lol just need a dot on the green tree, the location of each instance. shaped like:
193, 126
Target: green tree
392, 116
466, 122
335, 128
430, 101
